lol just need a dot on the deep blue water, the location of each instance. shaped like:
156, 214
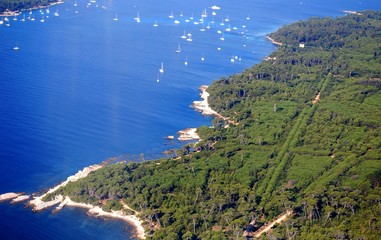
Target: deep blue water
83, 88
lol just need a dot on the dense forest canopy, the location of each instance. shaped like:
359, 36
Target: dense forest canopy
305, 137
14, 5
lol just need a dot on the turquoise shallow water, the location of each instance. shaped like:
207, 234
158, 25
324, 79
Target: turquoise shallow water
83, 88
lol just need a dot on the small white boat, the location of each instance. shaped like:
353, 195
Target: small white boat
56, 13
32, 19
156, 24
47, 10
42, 19
116, 17
158, 78
178, 49
1, 22
222, 37
161, 70
204, 14
203, 57
228, 29
23, 18
177, 22
184, 36
171, 15
16, 47
186, 61
137, 19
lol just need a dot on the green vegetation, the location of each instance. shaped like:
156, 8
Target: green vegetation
322, 160
14, 5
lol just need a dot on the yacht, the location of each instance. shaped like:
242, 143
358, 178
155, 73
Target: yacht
186, 61
161, 70
156, 24
116, 17
178, 49
222, 37
184, 36
137, 19
16, 47
56, 13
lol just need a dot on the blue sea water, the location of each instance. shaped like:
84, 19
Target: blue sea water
83, 88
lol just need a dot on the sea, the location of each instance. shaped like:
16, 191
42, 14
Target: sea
82, 84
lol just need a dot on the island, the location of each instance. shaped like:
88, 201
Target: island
294, 150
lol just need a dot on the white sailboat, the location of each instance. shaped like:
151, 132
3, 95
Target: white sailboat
56, 13
16, 47
42, 19
186, 61
156, 24
178, 49
228, 29
184, 36
158, 78
116, 17
203, 57
137, 19
161, 70
23, 18
204, 14
171, 15
222, 37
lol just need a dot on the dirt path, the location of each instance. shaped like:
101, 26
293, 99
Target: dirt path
269, 225
316, 99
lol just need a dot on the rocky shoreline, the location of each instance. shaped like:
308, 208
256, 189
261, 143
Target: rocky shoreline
37, 203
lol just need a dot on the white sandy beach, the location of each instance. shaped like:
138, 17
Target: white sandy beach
203, 106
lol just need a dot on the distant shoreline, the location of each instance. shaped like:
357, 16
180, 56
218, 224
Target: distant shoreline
8, 13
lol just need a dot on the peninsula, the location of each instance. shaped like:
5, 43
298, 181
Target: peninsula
302, 159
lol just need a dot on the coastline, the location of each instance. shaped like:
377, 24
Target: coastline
97, 211
37, 204
202, 106
274, 42
8, 13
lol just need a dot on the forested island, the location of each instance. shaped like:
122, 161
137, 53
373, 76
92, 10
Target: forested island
302, 137
19, 5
